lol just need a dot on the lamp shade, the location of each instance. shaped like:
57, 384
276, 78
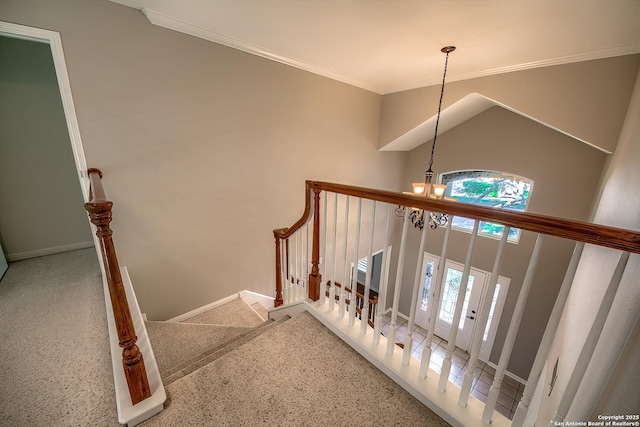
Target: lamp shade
419, 188
438, 190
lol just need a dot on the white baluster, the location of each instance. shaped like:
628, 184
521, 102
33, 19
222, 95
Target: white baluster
323, 257
482, 318
334, 255
391, 337
547, 339
411, 326
296, 265
342, 301
384, 279
287, 252
434, 303
354, 272
364, 313
509, 341
283, 270
303, 264
332, 299
453, 334
307, 262
590, 342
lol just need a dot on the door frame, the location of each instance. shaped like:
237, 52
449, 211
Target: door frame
480, 279
504, 282
54, 41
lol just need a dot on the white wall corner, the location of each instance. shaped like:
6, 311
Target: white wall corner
251, 298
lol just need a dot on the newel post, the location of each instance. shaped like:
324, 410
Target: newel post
278, 301
132, 361
314, 277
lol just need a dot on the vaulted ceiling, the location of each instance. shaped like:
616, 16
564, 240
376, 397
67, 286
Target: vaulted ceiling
388, 46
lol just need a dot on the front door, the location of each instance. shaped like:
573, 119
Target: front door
475, 287
452, 284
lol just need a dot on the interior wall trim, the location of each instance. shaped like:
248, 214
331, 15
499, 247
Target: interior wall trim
49, 251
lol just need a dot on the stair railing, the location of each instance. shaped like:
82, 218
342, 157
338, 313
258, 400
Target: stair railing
291, 281
333, 246
100, 213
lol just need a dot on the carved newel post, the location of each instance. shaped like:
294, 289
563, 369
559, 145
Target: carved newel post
100, 213
277, 233
315, 277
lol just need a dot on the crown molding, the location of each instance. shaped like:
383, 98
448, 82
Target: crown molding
169, 22
563, 60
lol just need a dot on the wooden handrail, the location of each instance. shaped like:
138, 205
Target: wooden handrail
579, 231
100, 212
283, 234
601, 235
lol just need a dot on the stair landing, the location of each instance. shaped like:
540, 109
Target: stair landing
234, 313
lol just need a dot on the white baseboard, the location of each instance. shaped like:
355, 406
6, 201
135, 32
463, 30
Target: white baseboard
202, 309
49, 251
400, 315
248, 297
251, 298
509, 374
287, 310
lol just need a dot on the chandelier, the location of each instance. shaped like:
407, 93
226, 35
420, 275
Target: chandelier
418, 217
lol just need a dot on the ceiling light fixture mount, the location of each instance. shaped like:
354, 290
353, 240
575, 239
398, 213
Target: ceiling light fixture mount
428, 189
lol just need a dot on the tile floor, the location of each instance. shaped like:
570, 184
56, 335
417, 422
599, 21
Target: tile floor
510, 393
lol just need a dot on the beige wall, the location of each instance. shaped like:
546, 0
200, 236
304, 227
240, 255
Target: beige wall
40, 197
607, 390
204, 148
586, 99
566, 174
201, 144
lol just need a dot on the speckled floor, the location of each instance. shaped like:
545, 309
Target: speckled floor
55, 363
284, 378
510, 393
176, 343
52, 319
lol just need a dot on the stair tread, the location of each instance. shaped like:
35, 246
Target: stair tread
279, 378
233, 313
174, 343
214, 353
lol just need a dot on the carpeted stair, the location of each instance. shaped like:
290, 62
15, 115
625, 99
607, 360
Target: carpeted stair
291, 372
181, 348
213, 353
227, 367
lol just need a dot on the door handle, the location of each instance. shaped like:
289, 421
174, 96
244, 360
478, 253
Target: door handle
471, 317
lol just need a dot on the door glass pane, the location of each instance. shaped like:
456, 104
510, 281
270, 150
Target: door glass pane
426, 288
450, 296
493, 306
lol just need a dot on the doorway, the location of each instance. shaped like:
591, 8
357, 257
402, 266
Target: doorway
476, 290
44, 169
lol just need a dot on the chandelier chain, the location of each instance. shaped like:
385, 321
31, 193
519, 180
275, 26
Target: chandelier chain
447, 50
419, 217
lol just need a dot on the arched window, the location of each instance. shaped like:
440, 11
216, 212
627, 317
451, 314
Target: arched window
487, 188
